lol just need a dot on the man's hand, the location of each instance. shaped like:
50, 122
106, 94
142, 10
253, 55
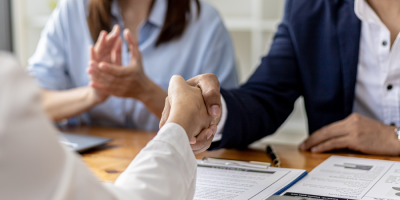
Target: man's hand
357, 133
210, 90
187, 109
114, 79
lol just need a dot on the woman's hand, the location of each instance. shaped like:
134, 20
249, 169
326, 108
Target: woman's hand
129, 81
113, 78
106, 49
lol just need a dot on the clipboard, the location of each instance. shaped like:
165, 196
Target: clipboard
241, 180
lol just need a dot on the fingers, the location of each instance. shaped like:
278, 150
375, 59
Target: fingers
176, 82
206, 146
105, 43
331, 144
113, 35
204, 139
133, 47
115, 70
99, 76
334, 130
116, 52
165, 113
100, 41
92, 53
210, 88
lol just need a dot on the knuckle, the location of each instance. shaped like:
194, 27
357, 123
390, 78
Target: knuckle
176, 76
209, 76
212, 93
355, 117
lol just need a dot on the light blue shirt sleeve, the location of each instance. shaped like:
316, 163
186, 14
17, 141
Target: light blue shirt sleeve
62, 56
48, 64
220, 57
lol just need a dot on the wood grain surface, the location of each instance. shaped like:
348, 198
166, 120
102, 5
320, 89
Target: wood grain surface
108, 161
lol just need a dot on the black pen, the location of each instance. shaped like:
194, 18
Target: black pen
275, 162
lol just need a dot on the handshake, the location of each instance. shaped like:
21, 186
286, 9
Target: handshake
196, 106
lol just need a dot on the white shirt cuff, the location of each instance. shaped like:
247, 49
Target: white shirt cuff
175, 135
220, 126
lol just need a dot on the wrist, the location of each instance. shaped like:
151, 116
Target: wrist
93, 98
184, 119
150, 90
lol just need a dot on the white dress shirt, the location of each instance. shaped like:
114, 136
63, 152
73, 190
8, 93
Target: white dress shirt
378, 78
377, 93
34, 165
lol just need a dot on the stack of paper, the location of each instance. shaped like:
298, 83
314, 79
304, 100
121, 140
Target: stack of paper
350, 178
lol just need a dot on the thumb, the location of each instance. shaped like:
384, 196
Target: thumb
165, 113
176, 83
210, 89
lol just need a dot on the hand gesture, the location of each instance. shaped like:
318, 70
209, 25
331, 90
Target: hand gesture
210, 90
106, 49
187, 108
114, 79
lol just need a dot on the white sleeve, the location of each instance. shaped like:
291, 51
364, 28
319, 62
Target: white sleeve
220, 127
34, 165
164, 169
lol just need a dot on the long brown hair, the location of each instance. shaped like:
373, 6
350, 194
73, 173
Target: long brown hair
176, 19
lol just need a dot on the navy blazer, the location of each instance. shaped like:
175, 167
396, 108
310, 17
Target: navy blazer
315, 55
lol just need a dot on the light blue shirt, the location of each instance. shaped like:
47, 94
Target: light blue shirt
62, 55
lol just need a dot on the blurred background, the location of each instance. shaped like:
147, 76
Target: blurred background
251, 23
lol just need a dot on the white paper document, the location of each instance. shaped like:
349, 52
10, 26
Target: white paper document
350, 178
241, 183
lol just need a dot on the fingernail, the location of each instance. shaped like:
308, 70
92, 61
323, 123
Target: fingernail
214, 129
114, 30
209, 134
314, 149
192, 141
215, 110
102, 66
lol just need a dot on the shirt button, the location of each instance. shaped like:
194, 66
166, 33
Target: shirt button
384, 43
389, 87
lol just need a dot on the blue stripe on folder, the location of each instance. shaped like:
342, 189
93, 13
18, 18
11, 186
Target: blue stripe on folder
292, 183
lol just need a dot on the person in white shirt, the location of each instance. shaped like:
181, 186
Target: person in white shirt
343, 57
34, 165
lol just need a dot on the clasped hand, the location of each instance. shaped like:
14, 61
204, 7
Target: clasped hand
108, 76
185, 106
356, 132
209, 95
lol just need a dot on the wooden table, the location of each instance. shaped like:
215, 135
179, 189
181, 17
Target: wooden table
108, 161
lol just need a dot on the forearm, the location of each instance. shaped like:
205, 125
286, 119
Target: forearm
164, 169
60, 105
154, 98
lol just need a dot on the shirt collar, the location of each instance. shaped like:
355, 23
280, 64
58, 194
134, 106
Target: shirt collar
158, 12
365, 13
156, 16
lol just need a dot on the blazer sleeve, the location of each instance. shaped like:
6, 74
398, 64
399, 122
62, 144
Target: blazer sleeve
260, 106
